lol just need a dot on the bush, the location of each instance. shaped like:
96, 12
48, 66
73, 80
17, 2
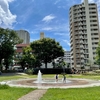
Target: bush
8, 71
29, 71
90, 73
4, 86
97, 71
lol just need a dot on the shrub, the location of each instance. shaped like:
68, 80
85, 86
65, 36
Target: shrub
4, 86
29, 71
97, 71
90, 73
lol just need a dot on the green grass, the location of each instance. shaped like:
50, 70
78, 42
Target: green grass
2, 78
95, 77
12, 93
91, 93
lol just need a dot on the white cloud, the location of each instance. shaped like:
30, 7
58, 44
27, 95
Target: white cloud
47, 28
48, 18
6, 17
9, 0
65, 49
68, 43
57, 1
65, 34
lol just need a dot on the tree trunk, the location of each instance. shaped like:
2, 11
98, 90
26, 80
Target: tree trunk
45, 64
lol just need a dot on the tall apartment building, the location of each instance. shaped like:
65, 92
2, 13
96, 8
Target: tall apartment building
42, 35
23, 34
84, 33
67, 58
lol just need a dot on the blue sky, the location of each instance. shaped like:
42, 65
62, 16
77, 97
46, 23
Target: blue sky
35, 16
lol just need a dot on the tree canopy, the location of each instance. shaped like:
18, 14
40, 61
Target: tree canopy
8, 40
98, 54
27, 57
47, 50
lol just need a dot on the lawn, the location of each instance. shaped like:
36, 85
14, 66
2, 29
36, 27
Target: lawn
12, 93
91, 93
94, 77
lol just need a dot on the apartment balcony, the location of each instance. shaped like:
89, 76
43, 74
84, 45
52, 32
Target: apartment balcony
81, 51
86, 53
80, 28
81, 37
85, 43
96, 40
80, 23
77, 52
77, 47
76, 38
81, 41
82, 61
80, 32
94, 23
81, 46
95, 36
85, 47
82, 56
94, 31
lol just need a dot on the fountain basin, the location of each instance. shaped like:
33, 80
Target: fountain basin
52, 81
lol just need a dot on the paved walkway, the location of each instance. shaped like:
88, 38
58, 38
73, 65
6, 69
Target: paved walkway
34, 95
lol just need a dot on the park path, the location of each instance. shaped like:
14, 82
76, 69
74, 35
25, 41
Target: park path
34, 95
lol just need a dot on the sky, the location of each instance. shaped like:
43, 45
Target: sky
35, 16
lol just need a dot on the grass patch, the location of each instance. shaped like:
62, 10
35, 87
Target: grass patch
91, 93
4, 86
13, 77
12, 93
44, 76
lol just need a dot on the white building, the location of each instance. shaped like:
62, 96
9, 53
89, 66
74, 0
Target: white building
24, 35
84, 33
67, 58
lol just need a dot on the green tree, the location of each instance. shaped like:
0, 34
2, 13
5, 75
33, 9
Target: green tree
27, 57
47, 50
97, 59
8, 39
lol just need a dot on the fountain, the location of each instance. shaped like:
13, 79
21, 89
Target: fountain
39, 78
51, 82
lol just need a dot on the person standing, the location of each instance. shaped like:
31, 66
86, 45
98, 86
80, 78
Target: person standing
64, 78
56, 77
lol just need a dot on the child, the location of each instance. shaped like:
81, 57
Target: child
56, 77
64, 79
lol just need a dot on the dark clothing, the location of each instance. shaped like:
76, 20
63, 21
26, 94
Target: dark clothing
64, 77
56, 76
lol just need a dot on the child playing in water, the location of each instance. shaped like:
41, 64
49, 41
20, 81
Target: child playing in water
56, 77
64, 78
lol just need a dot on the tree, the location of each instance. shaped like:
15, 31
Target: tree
47, 50
98, 54
27, 57
8, 39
